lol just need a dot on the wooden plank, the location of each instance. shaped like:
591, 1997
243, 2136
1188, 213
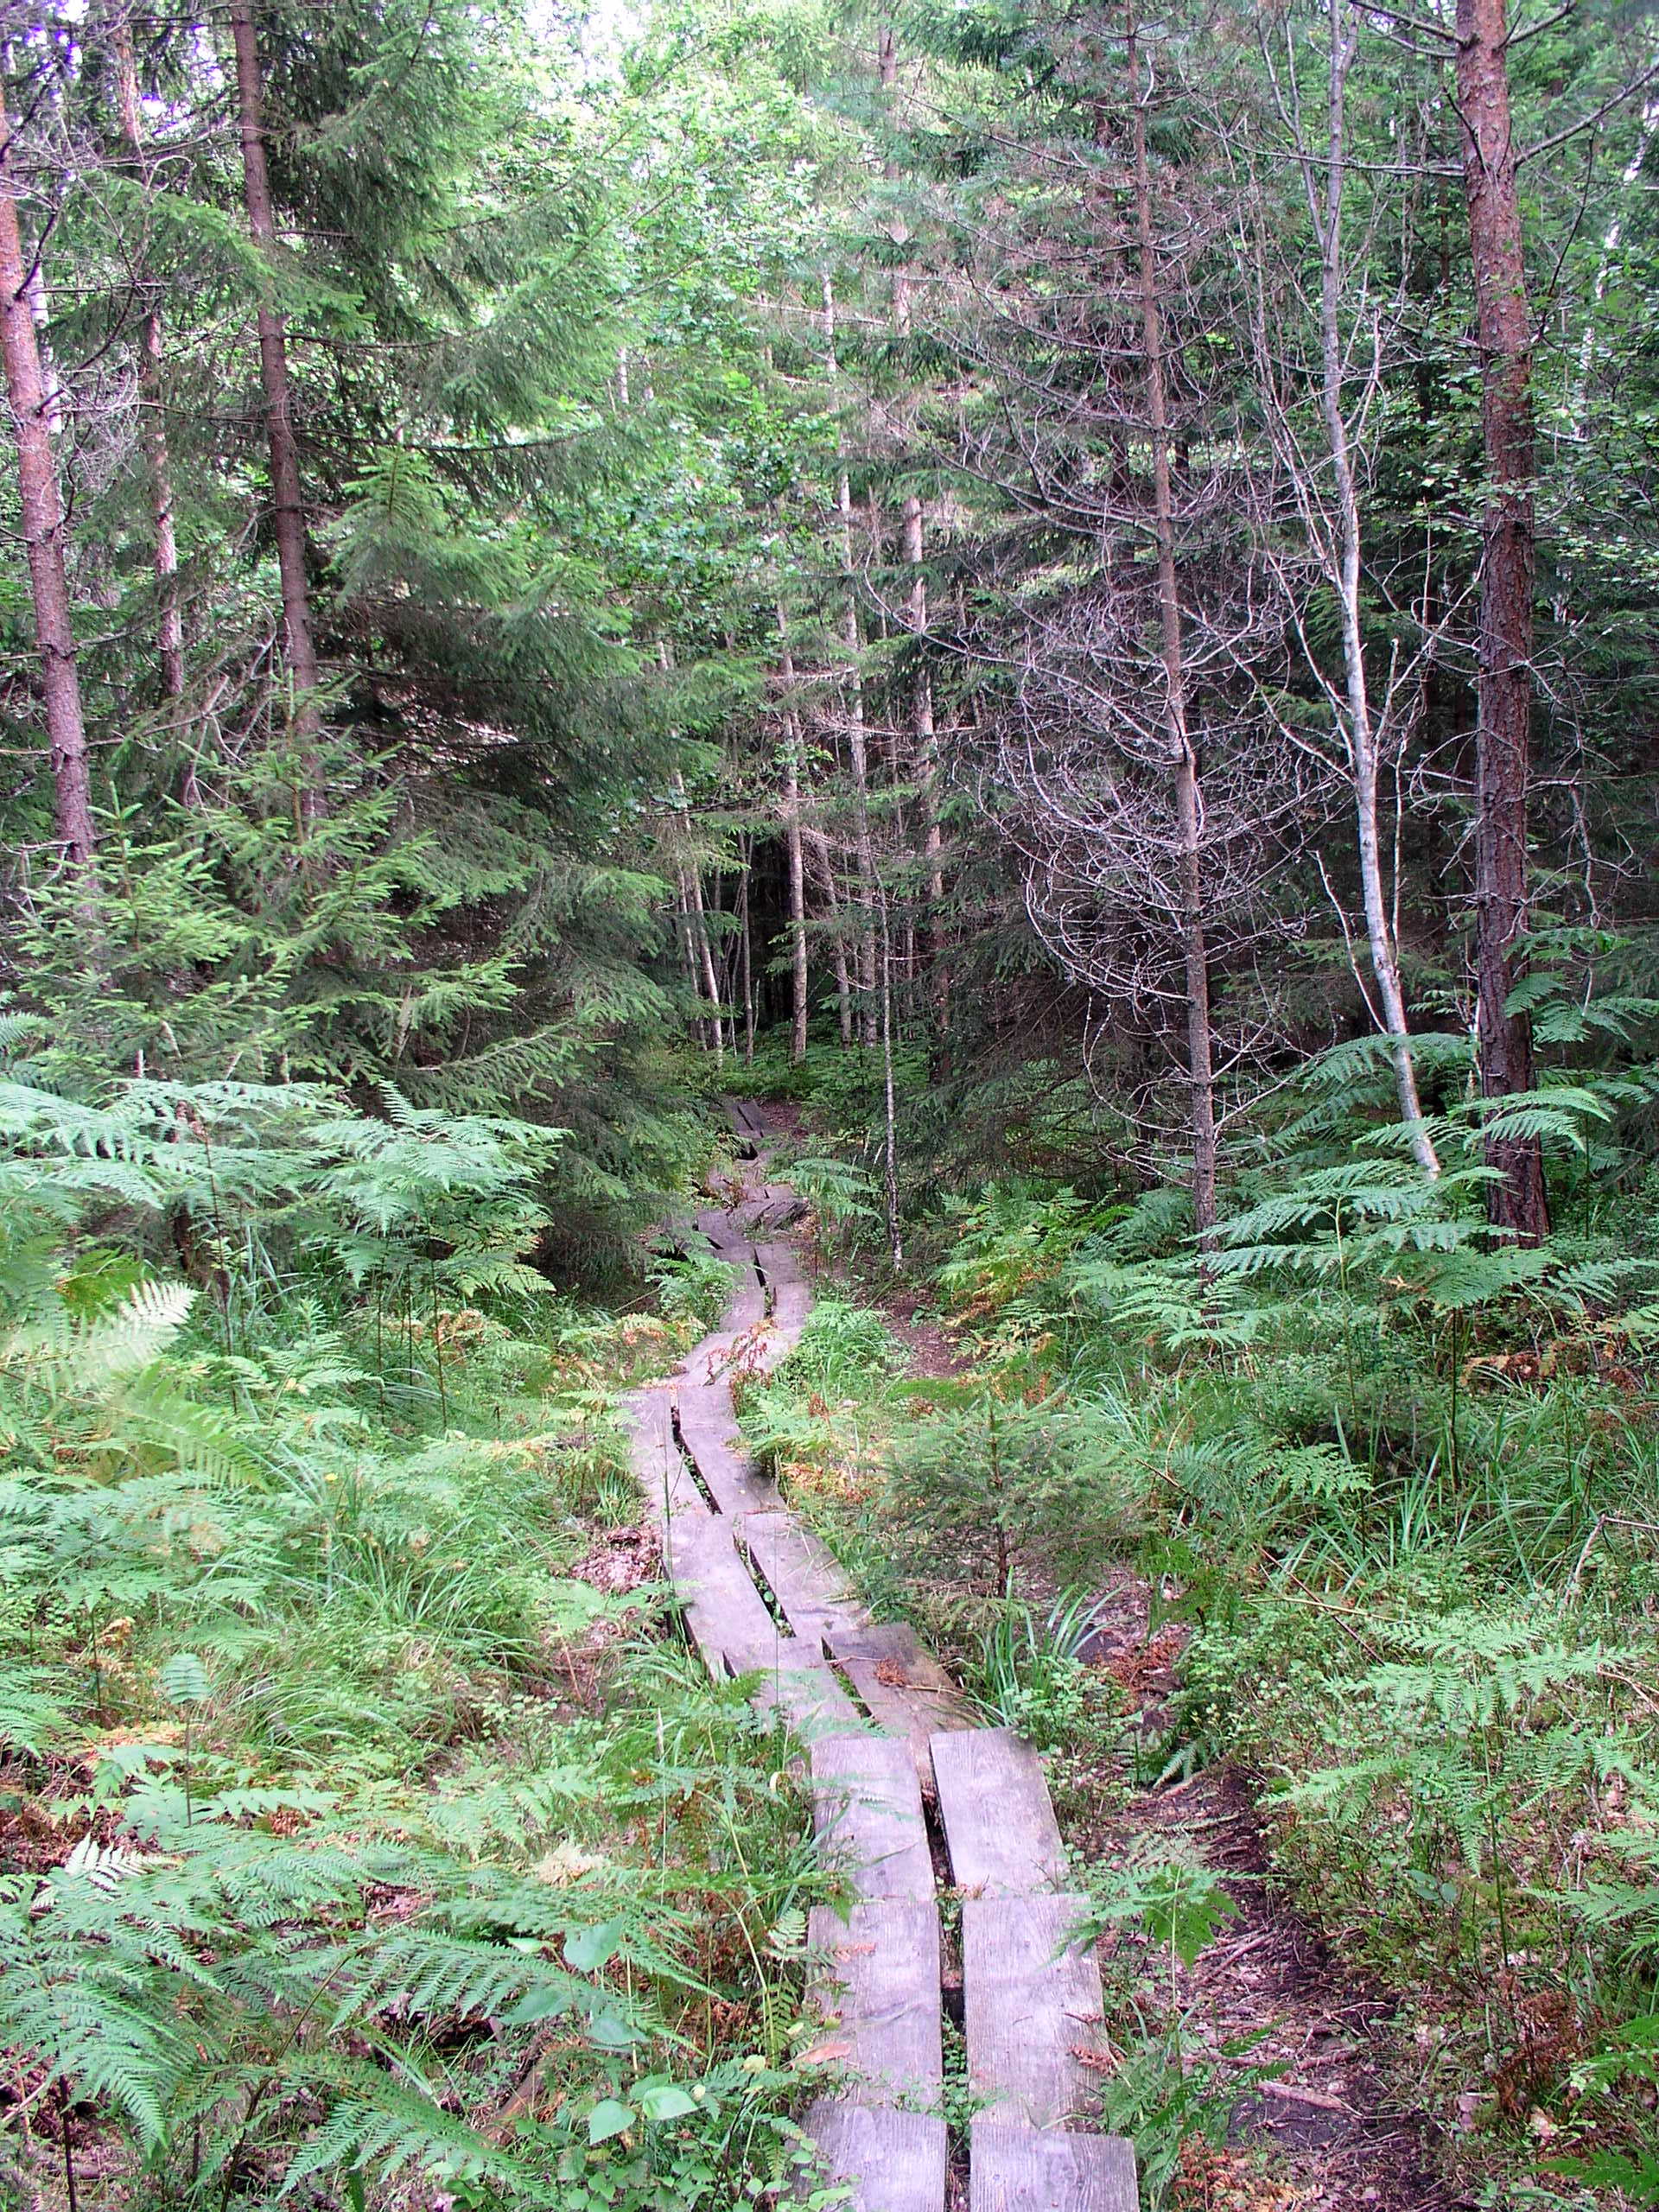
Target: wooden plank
809, 1695
894, 2161
671, 1492
1000, 1826
748, 1305
867, 1807
745, 1115
724, 1611
913, 1717
879, 1985
790, 1294
710, 1432
1030, 1997
893, 1644
1018, 2170
803, 1574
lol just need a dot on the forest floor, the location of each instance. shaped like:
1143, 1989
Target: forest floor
1331, 2120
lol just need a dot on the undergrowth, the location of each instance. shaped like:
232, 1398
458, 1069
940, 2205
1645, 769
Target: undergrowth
364, 1820
1395, 1483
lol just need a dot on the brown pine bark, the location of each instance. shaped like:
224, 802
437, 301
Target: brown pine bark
287, 508
44, 531
164, 547
1183, 759
1503, 713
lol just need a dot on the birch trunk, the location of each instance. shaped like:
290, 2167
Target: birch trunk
857, 741
798, 1003
817, 847
746, 950
1362, 728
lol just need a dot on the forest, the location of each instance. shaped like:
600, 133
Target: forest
1036, 625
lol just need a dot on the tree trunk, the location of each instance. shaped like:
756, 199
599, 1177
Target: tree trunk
890, 1103
1362, 728
1502, 728
816, 851
799, 1002
41, 509
287, 508
925, 740
745, 948
687, 934
706, 962
857, 745
164, 550
1189, 808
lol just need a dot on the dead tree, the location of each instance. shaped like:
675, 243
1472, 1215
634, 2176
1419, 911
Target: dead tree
1127, 754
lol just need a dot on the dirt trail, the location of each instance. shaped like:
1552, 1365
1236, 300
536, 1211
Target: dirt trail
1336, 2137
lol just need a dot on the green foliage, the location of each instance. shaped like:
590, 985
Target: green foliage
1030, 1677
286, 1597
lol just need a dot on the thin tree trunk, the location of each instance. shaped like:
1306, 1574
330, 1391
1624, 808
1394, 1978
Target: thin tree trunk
924, 734
701, 956
818, 852
857, 744
1504, 715
746, 950
890, 1105
799, 1002
40, 508
164, 547
706, 961
1363, 739
688, 953
288, 509
1189, 808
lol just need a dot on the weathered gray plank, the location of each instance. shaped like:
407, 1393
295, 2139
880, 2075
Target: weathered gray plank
1017, 2170
999, 1823
723, 1610
894, 2160
748, 1305
867, 1807
1030, 1999
880, 1981
803, 1574
792, 1299
814, 1700
709, 1431
662, 1475
914, 1717
746, 1117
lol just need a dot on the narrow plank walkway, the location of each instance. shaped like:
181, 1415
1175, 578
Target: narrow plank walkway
887, 1733
998, 1821
867, 1810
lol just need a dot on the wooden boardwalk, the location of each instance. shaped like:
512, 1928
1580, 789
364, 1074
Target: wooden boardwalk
889, 1740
